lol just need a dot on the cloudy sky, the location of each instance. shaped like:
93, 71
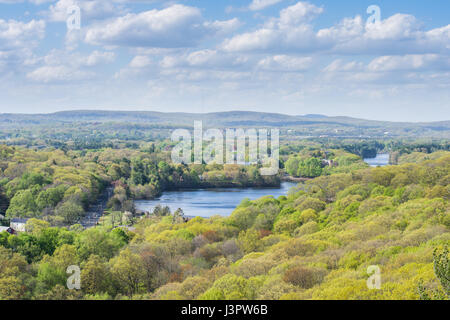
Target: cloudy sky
322, 56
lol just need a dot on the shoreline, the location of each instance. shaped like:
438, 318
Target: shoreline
288, 178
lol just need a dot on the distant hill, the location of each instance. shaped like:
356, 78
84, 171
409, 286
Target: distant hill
313, 124
315, 116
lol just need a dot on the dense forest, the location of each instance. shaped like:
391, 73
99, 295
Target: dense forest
320, 241
315, 243
312, 163
59, 186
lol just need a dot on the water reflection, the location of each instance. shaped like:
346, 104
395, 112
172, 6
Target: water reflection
210, 202
380, 160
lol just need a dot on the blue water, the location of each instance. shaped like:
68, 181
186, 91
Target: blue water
210, 202
381, 160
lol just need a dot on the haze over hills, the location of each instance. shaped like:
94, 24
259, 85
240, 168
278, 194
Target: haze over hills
217, 117
313, 124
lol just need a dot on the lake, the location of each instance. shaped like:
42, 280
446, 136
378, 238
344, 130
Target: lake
382, 159
210, 202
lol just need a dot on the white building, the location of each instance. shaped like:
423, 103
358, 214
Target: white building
18, 224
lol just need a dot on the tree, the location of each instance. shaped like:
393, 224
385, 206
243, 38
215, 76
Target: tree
230, 287
48, 240
11, 264
310, 168
99, 242
52, 269
128, 270
292, 166
441, 263
442, 268
70, 211
191, 288
303, 277
22, 205
249, 241
161, 211
178, 216
11, 288
50, 197
157, 264
35, 226
95, 276
60, 292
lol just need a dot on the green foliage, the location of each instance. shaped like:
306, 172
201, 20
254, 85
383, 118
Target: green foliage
128, 270
231, 287
97, 241
70, 211
315, 243
22, 205
442, 268
309, 168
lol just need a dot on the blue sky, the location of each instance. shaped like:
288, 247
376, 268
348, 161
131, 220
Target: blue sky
285, 56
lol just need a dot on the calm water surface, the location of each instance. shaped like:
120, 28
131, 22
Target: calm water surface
381, 160
210, 202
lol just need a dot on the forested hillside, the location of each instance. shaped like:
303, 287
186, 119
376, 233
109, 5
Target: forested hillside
316, 243
87, 129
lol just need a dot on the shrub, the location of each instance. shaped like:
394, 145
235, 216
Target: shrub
303, 277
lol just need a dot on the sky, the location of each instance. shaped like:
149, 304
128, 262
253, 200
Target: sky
378, 59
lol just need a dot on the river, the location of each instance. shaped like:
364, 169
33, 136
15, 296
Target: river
210, 202
381, 160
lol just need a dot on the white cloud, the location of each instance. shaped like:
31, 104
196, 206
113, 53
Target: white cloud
292, 32
299, 13
389, 70
288, 32
398, 34
262, 4
207, 59
11, 61
340, 66
97, 57
61, 66
16, 34
285, 63
409, 63
223, 27
140, 62
173, 27
177, 54
90, 10
17, 41
398, 26
215, 59
77, 60
57, 74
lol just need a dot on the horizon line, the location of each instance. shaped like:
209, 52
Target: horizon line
216, 112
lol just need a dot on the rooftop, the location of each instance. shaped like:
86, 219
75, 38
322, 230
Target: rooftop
19, 220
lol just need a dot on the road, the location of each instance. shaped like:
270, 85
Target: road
95, 211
